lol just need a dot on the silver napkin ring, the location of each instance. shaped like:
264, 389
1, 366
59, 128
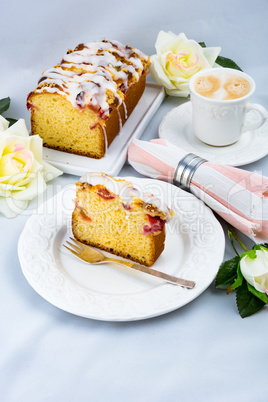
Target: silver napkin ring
185, 170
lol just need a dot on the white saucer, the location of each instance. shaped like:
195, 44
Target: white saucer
176, 127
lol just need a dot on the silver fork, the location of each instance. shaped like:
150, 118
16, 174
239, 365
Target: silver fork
93, 256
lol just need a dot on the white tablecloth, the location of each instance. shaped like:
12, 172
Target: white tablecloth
203, 351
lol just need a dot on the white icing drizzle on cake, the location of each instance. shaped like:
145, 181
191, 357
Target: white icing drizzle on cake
105, 138
96, 74
125, 110
125, 190
120, 121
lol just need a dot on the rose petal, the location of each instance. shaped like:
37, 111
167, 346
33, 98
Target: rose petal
36, 186
22, 180
50, 172
177, 92
3, 123
23, 173
6, 189
173, 44
10, 209
3, 141
163, 38
156, 71
257, 266
15, 166
211, 54
179, 81
181, 87
187, 60
8, 166
36, 146
19, 128
13, 142
261, 282
253, 269
179, 57
184, 66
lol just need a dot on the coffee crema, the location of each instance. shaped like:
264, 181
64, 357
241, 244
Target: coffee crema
222, 86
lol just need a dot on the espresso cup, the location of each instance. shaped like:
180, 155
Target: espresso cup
220, 106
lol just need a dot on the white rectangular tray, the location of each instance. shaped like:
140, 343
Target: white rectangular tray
116, 154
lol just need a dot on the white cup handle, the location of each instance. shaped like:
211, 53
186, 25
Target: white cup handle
257, 118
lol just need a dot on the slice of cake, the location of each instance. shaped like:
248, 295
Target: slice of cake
114, 216
80, 104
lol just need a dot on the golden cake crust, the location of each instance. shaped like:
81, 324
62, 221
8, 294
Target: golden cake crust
109, 214
158, 244
81, 104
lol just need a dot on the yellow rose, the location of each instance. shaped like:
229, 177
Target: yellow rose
177, 60
23, 173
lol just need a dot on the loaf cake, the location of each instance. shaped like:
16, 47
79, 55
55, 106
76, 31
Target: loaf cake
80, 104
112, 215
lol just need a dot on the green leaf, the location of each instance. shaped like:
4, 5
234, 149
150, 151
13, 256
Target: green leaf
202, 44
4, 104
251, 254
257, 293
238, 281
265, 245
261, 246
11, 121
247, 303
227, 273
227, 63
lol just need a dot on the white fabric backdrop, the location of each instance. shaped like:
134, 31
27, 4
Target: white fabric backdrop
201, 352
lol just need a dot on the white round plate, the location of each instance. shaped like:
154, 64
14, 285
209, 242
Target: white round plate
176, 127
194, 250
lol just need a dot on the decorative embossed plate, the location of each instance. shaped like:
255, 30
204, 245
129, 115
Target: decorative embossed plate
176, 127
116, 154
194, 250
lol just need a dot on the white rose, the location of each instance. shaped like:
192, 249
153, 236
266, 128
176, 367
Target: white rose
23, 173
177, 60
255, 271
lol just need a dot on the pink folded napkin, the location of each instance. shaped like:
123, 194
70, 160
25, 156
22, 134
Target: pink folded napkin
238, 196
